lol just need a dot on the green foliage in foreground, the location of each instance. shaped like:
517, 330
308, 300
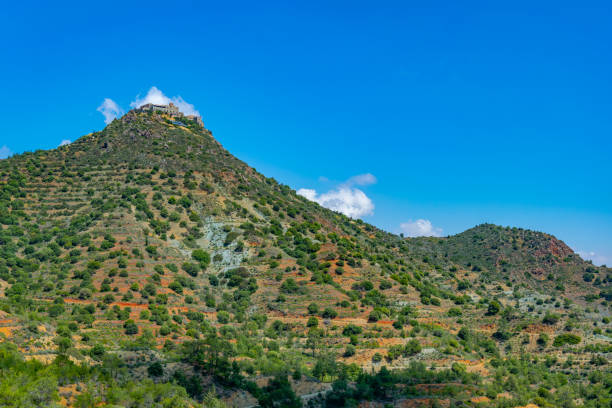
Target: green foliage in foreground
528, 379
34, 384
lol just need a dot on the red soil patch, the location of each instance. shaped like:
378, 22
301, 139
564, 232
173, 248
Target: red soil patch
385, 322
468, 362
478, 400
488, 327
536, 328
392, 341
7, 330
78, 301
130, 304
284, 263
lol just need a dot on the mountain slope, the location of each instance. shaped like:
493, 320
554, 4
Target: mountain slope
527, 258
150, 243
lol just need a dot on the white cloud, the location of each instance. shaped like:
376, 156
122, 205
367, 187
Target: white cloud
361, 180
594, 257
420, 228
308, 193
110, 110
345, 199
5, 152
64, 142
351, 202
157, 97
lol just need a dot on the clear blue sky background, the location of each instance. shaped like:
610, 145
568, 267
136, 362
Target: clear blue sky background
466, 112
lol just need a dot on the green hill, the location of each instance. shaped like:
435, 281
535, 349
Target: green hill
514, 255
144, 264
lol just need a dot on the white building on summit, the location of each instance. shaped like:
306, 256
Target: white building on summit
170, 109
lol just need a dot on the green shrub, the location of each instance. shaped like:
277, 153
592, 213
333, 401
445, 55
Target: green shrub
223, 317
130, 327
351, 329
202, 257
542, 339
454, 312
550, 318
289, 286
155, 369
329, 313
313, 308
566, 338
349, 350
494, 308
191, 268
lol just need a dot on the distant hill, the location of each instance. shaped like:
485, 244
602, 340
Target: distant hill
516, 255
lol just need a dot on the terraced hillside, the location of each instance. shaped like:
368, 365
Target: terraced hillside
514, 255
144, 265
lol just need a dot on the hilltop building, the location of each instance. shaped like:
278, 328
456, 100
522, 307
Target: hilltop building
172, 110
196, 118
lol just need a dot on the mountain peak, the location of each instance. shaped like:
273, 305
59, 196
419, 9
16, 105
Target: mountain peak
154, 136
170, 110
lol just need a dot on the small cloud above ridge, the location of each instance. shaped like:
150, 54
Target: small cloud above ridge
110, 109
596, 258
365, 179
5, 152
345, 198
420, 228
157, 97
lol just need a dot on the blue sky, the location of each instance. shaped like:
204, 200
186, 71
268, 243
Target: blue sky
463, 113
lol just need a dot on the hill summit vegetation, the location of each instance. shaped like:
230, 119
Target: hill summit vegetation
145, 266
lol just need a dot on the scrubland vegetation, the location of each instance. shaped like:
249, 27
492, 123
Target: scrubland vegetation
144, 265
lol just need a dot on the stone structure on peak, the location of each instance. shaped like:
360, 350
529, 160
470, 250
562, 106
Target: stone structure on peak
170, 109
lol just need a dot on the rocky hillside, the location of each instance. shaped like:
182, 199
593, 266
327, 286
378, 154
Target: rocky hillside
146, 257
516, 256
